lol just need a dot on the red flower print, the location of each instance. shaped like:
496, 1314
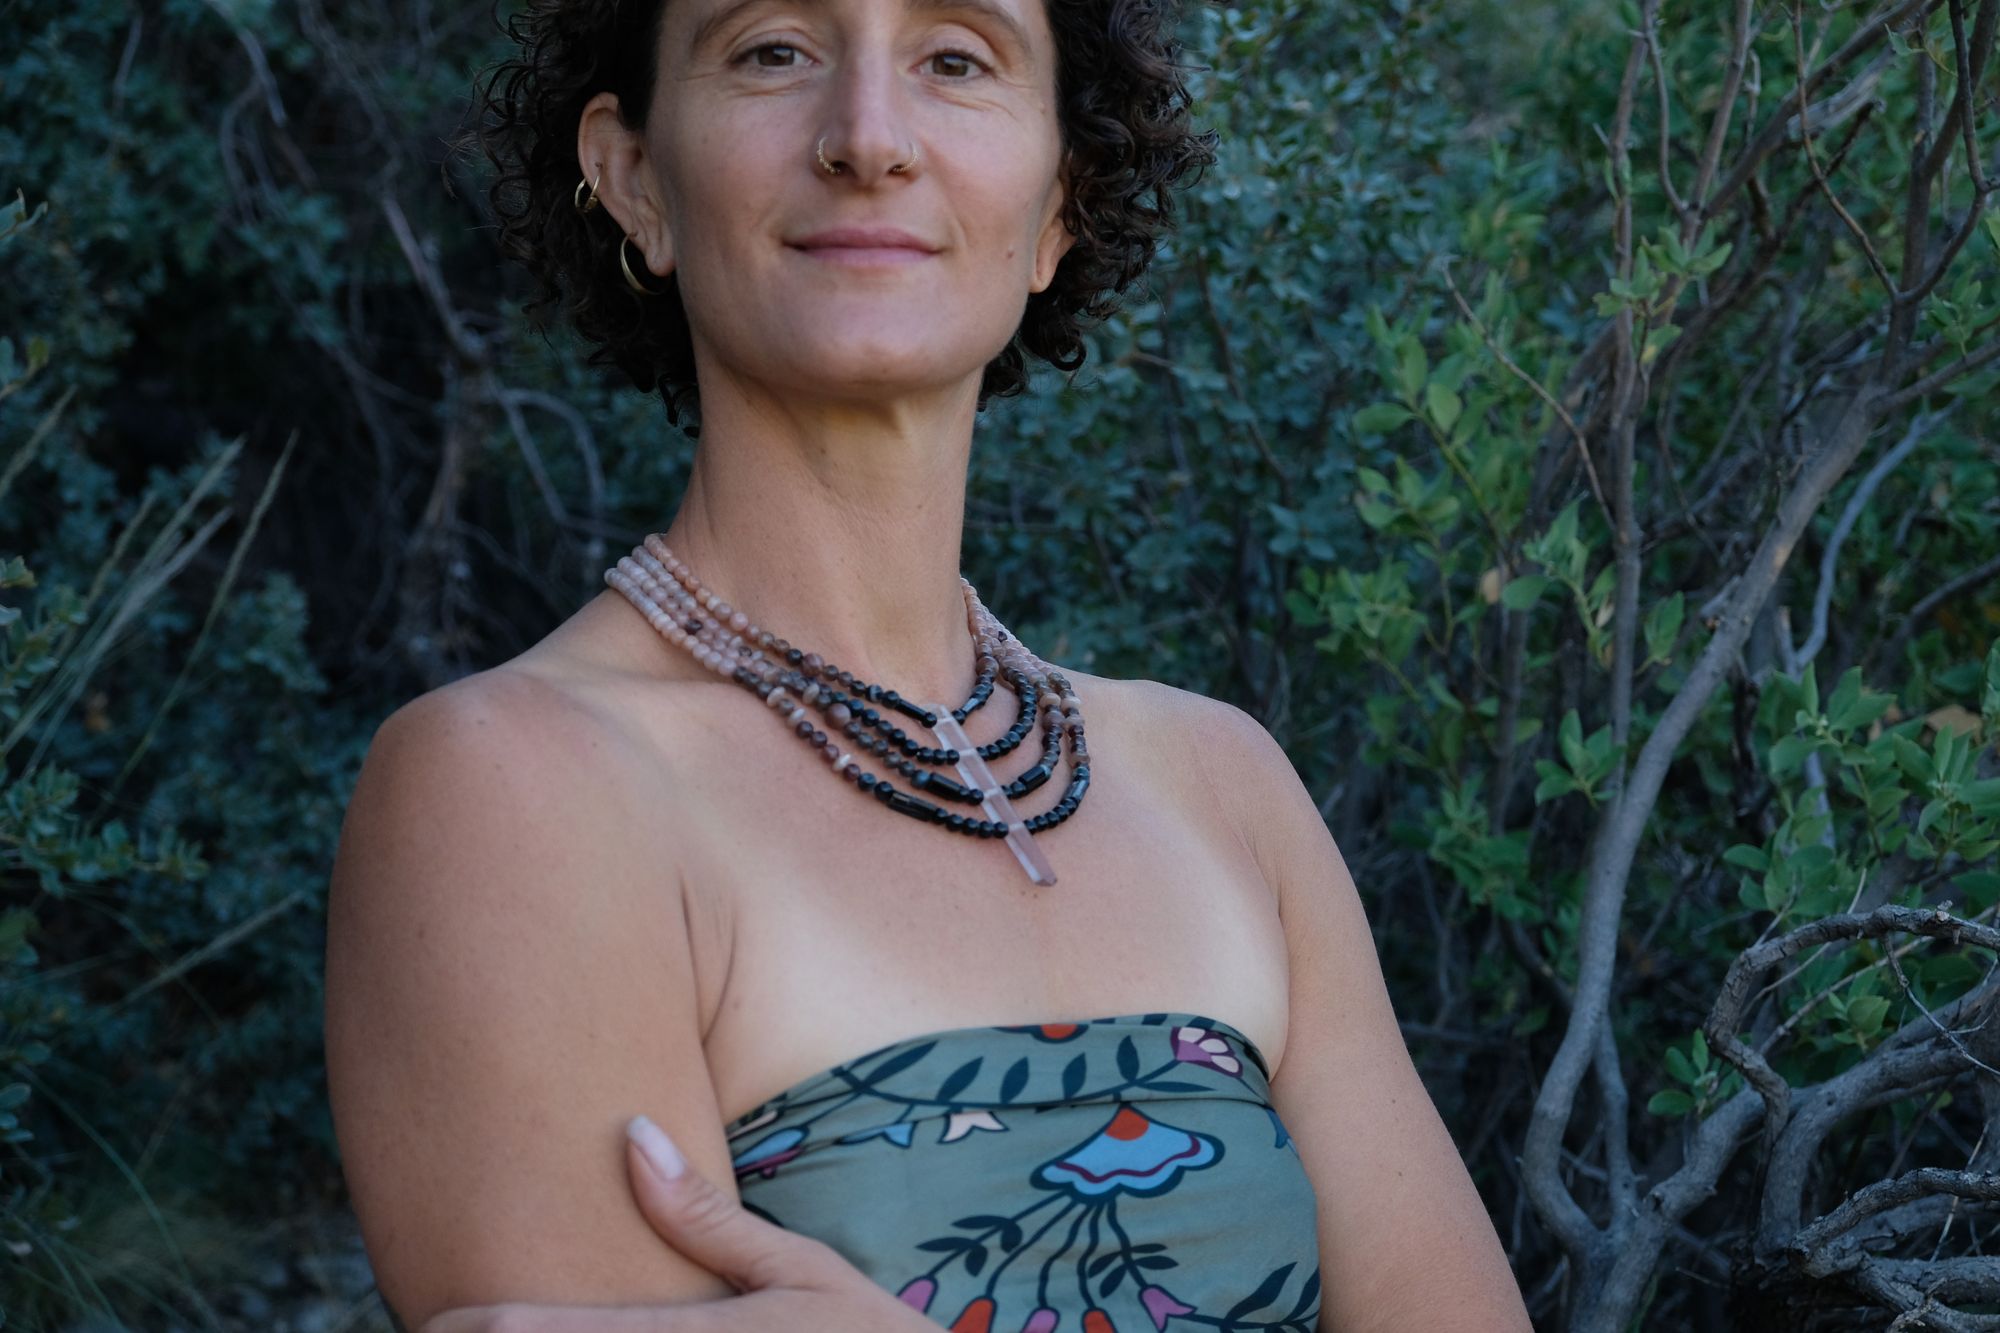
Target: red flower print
975, 1318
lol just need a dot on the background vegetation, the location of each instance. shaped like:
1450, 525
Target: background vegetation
1568, 426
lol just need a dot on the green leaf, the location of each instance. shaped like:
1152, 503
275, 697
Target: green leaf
1443, 404
1377, 418
1679, 1066
1663, 625
1747, 856
1523, 591
1671, 1102
1412, 369
1982, 797
1865, 1015
1980, 887
1569, 737
1789, 753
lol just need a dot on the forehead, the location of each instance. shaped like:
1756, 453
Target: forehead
1012, 17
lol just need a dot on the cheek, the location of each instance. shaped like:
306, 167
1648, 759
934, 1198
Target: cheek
720, 187
1007, 205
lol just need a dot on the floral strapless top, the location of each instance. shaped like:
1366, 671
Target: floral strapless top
1123, 1173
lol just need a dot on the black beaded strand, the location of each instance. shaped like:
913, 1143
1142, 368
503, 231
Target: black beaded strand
854, 717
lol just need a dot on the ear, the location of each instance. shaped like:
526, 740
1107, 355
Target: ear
1055, 239
614, 158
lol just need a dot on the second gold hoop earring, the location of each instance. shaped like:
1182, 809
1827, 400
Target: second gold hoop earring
630, 279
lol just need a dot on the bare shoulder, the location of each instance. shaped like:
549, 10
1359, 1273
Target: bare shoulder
1228, 760
509, 978
491, 720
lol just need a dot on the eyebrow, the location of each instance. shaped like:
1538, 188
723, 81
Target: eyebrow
991, 10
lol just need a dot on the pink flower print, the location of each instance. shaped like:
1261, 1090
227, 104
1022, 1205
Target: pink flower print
1161, 1305
976, 1317
960, 1123
1132, 1153
917, 1295
1201, 1046
1041, 1321
769, 1153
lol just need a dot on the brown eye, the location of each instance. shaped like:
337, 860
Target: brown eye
967, 64
769, 46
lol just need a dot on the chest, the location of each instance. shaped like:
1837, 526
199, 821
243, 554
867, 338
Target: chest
826, 925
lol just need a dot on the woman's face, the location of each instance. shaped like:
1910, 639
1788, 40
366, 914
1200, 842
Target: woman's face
732, 194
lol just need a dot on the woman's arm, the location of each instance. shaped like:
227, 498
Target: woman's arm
1405, 1240
786, 1281
509, 980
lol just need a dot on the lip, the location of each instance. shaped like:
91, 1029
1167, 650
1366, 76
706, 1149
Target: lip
866, 240
864, 247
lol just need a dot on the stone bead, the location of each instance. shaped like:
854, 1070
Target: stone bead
840, 715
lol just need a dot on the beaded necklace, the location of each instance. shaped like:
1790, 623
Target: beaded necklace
723, 639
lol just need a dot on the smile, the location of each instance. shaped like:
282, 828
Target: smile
864, 256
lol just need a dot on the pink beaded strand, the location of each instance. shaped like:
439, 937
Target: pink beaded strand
724, 639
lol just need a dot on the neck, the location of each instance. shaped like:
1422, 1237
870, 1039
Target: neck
840, 533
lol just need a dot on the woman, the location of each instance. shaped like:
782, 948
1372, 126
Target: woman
1126, 1067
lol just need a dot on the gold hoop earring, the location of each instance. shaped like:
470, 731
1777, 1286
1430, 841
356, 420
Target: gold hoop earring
819, 151
630, 280
584, 205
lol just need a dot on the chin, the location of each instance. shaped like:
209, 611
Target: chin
839, 361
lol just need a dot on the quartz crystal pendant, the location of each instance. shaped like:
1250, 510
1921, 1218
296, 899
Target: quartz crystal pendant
992, 797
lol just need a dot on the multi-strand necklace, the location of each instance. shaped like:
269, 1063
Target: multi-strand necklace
794, 683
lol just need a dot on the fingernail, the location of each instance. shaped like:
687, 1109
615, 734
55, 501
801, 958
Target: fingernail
658, 1148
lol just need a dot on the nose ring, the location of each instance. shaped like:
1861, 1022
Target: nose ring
834, 169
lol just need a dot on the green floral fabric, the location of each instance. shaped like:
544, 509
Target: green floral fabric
1120, 1173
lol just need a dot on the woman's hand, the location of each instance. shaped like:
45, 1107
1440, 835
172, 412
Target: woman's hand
785, 1280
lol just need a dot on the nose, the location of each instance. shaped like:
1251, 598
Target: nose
868, 131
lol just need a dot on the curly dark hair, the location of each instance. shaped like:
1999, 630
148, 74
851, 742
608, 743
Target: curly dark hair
1126, 140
